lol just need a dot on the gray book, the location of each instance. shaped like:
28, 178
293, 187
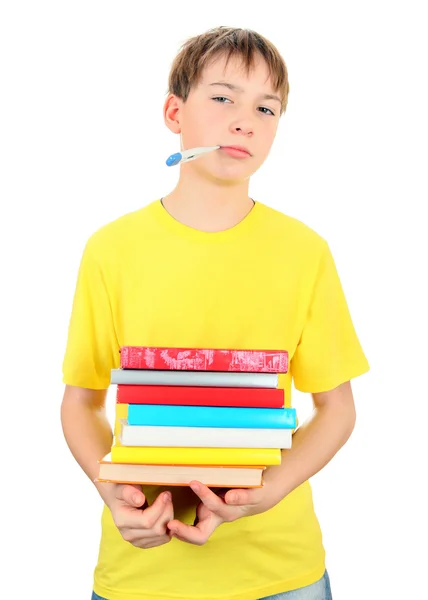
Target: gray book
194, 378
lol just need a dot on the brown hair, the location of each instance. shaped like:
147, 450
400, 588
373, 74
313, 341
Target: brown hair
196, 52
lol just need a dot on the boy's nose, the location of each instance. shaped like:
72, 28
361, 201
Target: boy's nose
246, 130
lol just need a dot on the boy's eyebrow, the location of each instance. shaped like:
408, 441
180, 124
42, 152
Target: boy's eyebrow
236, 88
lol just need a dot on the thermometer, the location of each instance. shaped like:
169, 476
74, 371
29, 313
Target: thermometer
188, 155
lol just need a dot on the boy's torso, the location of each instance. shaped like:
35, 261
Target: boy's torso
249, 288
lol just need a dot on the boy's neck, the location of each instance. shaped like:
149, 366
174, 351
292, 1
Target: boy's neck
208, 207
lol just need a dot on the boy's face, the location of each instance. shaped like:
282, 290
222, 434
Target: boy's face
229, 108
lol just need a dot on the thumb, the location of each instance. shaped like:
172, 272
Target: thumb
238, 497
133, 495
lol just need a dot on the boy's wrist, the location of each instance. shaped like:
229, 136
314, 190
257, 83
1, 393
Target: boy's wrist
275, 479
106, 491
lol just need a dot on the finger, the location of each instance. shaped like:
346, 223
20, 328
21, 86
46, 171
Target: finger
131, 495
211, 500
161, 508
166, 516
131, 517
198, 535
241, 497
160, 526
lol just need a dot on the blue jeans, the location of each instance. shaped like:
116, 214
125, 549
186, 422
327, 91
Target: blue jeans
320, 590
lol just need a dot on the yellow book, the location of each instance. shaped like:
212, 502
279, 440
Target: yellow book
195, 456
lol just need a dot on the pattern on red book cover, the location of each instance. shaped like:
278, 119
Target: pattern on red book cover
201, 359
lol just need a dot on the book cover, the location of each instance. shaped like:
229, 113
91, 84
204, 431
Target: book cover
195, 456
240, 477
211, 416
194, 378
203, 359
195, 396
209, 437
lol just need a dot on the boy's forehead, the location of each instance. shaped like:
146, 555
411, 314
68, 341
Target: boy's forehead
235, 71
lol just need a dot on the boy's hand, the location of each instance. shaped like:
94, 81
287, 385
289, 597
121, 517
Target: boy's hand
216, 509
142, 527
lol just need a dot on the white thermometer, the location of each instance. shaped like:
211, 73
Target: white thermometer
188, 155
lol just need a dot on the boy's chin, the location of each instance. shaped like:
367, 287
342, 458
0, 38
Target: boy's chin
228, 176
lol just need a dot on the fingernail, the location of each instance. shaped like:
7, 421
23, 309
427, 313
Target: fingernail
167, 497
233, 498
137, 499
195, 487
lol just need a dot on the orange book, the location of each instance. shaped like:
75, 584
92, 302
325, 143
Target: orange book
180, 475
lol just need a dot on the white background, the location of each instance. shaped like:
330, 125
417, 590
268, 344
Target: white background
83, 142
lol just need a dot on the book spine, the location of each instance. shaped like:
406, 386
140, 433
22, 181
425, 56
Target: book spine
193, 378
207, 416
196, 456
195, 396
203, 359
209, 437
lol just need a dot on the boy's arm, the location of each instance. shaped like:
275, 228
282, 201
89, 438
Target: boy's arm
87, 430
315, 442
314, 445
89, 437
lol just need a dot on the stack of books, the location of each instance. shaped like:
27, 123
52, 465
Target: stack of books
211, 415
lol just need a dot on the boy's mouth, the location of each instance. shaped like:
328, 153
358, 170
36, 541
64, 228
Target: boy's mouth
236, 151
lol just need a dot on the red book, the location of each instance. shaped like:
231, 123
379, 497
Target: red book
203, 359
194, 396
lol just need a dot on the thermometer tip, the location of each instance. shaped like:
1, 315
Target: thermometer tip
174, 159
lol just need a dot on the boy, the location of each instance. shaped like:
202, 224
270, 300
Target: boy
207, 266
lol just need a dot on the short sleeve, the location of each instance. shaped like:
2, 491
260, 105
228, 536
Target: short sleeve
92, 348
329, 352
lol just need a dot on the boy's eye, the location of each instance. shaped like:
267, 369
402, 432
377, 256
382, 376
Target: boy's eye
263, 108
222, 100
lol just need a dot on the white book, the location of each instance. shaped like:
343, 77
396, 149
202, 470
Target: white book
203, 437
194, 378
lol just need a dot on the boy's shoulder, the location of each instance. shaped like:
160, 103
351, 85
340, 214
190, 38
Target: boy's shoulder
291, 229
119, 229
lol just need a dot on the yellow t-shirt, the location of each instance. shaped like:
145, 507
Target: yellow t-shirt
268, 282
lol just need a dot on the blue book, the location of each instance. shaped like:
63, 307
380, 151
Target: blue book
211, 416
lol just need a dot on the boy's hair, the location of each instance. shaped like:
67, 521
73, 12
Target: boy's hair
198, 51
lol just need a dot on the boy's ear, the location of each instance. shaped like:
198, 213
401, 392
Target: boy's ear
171, 113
